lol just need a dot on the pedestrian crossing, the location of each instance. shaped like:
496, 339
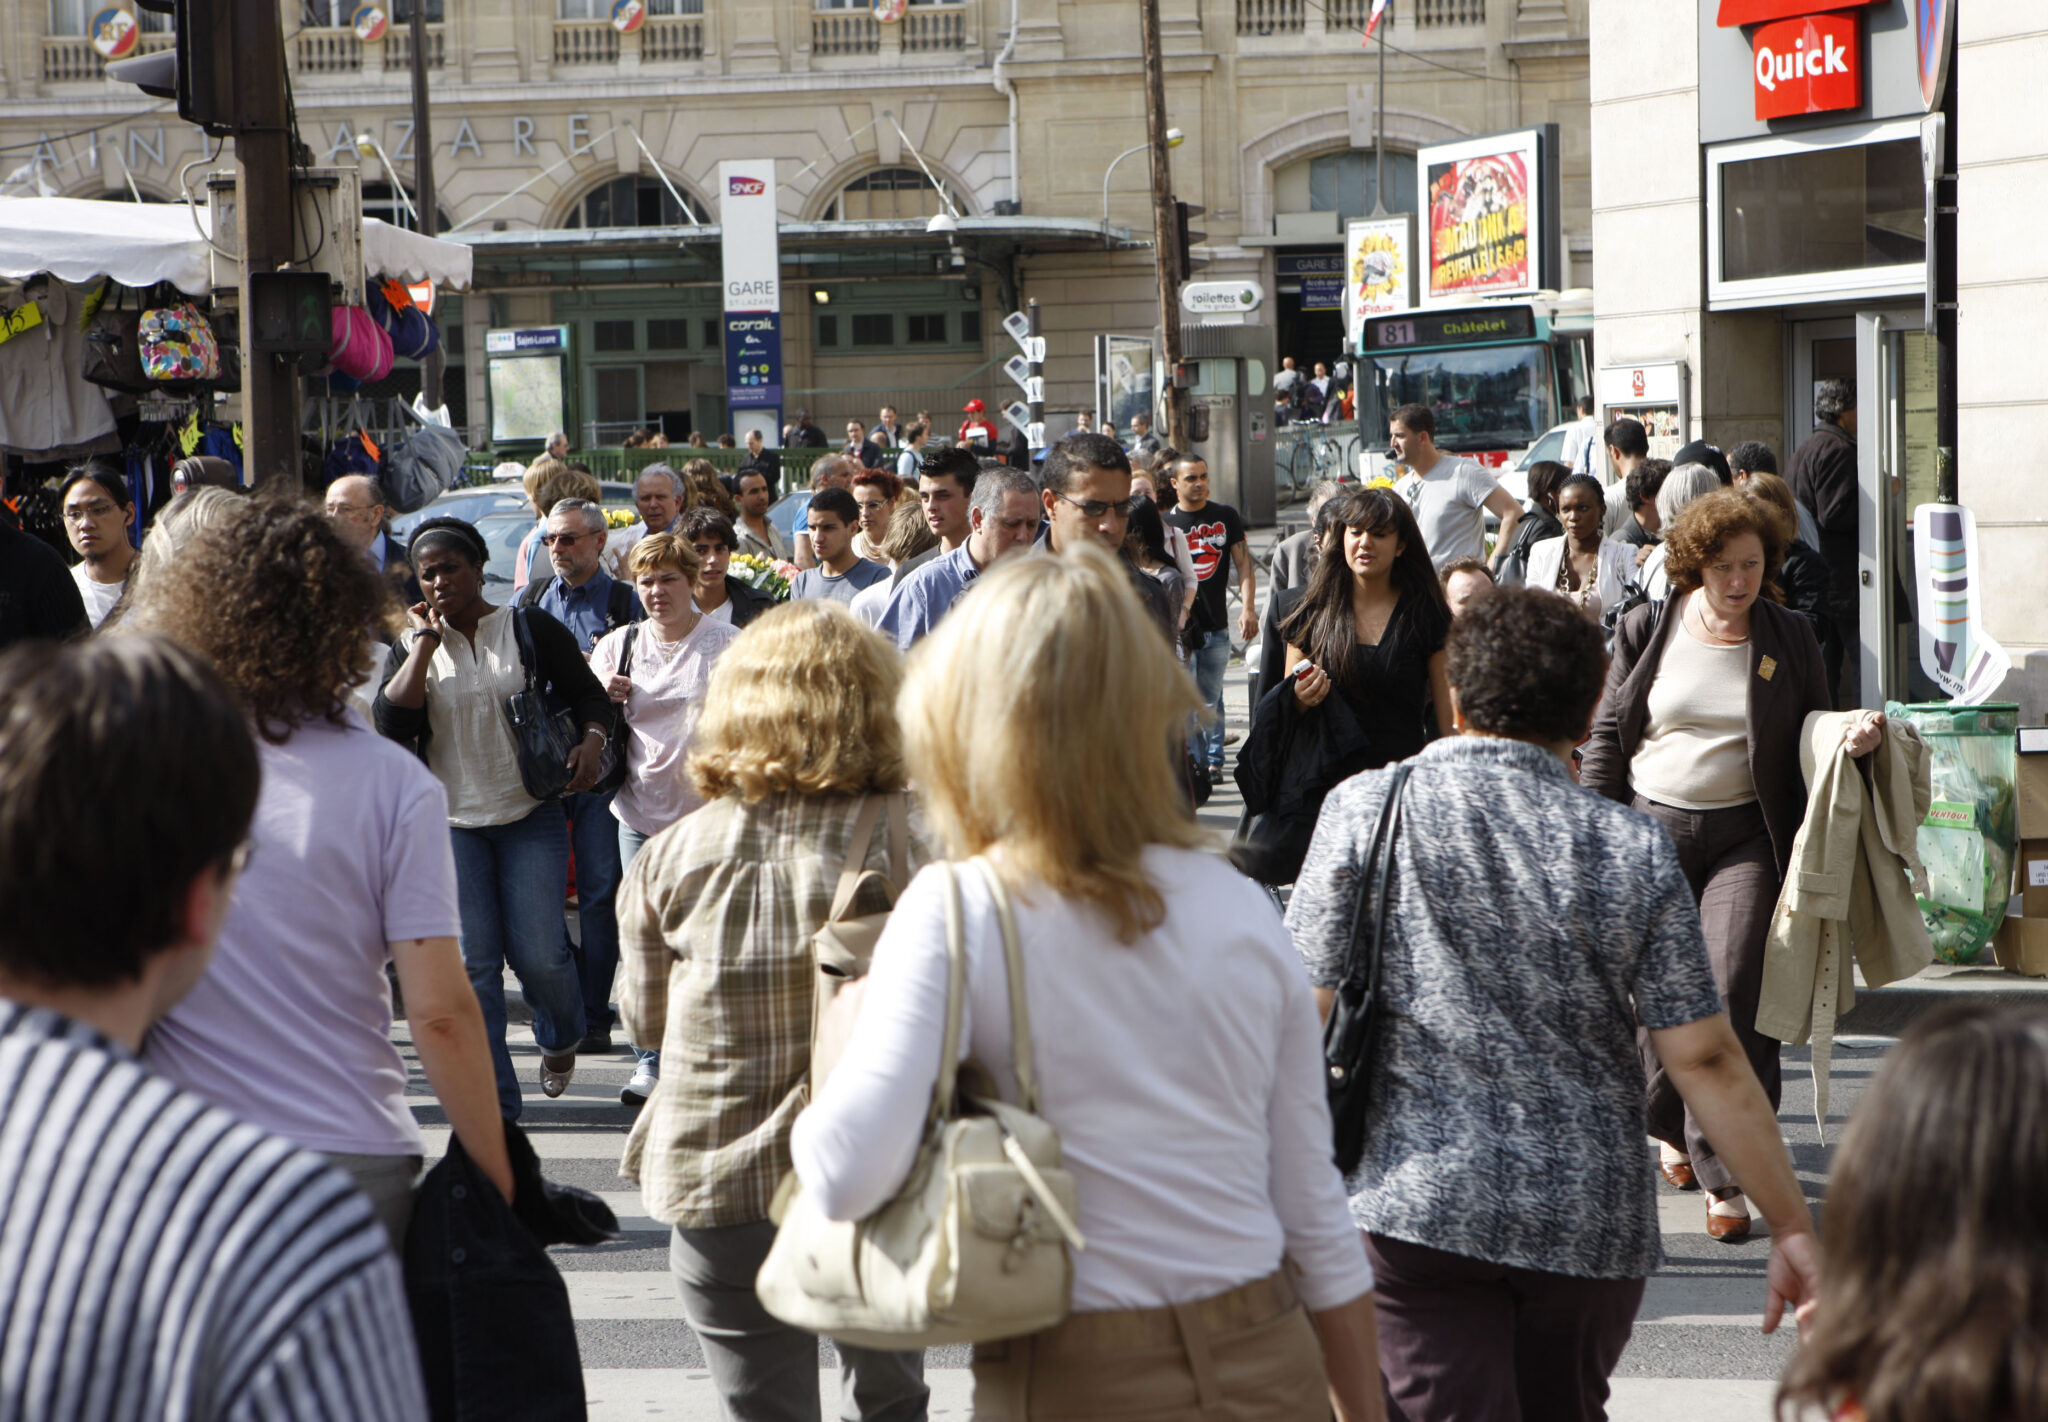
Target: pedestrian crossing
1696, 1353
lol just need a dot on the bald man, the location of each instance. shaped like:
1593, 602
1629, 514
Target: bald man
357, 507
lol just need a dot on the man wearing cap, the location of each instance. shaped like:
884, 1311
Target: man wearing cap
977, 429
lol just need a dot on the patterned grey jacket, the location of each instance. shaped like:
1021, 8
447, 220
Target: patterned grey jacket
1531, 924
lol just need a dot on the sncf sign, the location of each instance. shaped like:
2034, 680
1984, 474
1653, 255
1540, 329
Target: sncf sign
745, 187
1805, 63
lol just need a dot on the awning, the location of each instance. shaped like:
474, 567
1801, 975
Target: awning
140, 244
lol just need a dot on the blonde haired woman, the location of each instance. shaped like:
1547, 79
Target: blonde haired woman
797, 737
1187, 1086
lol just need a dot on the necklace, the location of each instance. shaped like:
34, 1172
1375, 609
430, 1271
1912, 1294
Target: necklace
1699, 618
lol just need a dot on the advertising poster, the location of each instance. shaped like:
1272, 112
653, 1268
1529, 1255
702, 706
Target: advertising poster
751, 278
1487, 207
1954, 648
1377, 271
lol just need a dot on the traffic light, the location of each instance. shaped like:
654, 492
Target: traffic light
1182, 211
200, 71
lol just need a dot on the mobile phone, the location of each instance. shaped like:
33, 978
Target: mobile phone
1302, 667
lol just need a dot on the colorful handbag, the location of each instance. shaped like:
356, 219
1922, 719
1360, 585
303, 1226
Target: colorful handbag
177, 344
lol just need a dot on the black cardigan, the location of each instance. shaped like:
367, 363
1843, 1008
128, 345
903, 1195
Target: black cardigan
560, 669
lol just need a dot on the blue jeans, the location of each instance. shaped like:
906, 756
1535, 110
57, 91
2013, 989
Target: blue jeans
1209, 662
630, 841
511, 882
594, 833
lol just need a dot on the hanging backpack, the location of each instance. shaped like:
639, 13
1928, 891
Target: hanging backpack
425, 465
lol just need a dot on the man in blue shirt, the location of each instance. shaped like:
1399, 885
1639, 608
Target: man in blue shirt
590, 603
1002, 519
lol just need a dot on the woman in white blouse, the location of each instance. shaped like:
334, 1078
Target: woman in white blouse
1187, 1087
1585, 567
658, 671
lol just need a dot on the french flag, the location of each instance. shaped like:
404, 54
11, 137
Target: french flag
1379, 8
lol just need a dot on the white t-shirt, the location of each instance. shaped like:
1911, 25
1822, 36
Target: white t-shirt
669, 682
290, 1028
1194, 1120
868, 603
1450, 506
99, 597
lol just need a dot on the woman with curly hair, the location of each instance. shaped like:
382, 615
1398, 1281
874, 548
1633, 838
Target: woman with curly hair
1935, 1238
799, 757
702, 489
1700, 729
460, 662
349, 871
878, 492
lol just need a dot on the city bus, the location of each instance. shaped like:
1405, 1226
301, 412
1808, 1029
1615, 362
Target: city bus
1499, 375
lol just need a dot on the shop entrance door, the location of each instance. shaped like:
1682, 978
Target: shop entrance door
1895, 453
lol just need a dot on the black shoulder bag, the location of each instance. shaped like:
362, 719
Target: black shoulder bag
611, 770
544, 735
1352, 1028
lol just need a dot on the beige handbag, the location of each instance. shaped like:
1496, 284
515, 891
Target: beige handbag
846, 944
974, 1245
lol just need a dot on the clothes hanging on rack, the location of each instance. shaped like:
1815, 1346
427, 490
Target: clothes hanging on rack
49, 411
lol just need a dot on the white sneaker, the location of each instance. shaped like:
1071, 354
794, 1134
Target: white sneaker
636, 1091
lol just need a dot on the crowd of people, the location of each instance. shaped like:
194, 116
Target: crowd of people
1554, 784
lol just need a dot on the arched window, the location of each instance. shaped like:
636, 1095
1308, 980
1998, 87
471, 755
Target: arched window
629, 202
381, 200
1342, 183
888, 194
125, 194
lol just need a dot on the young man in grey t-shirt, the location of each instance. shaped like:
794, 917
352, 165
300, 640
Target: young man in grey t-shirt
1450, 494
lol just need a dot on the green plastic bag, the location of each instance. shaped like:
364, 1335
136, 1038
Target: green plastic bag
1971, 832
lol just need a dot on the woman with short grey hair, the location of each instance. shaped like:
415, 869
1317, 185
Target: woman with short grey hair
1683, 485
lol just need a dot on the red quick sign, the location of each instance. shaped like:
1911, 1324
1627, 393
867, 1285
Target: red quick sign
1805, 64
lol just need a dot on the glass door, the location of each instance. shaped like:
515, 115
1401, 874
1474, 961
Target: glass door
1896, 425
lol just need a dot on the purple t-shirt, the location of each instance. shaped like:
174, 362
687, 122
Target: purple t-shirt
290, 1028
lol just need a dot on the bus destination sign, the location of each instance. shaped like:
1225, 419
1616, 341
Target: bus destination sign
1419, 329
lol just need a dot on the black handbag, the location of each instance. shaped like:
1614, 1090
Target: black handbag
611, 766
1353, 1026
113, 355
543, 734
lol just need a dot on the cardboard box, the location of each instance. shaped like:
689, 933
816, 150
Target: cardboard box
2022, 946
2031, 791
2030, 871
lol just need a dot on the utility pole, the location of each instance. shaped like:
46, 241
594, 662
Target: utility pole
423, 181
263, 203
1941, 304
1166, 230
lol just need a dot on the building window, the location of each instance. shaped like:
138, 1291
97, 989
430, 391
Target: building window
628, 202
613, 335
887, 195
339, 14
828, 330
1789, 220
712, 340
875, 329
970, 328
602, 9
668, 334
381, 200
926, 329
1344, 184
74, 17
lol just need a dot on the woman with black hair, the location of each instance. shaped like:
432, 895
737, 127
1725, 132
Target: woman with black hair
1588, 569
447, 700
1371, 627
1145, 545
1511, 567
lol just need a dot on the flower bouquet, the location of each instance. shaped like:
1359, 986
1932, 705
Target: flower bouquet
762, 574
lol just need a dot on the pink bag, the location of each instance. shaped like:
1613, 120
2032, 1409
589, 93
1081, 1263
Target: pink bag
361, 350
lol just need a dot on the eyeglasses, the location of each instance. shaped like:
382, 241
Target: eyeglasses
1096, 508
565, 539
238, 860
83, 513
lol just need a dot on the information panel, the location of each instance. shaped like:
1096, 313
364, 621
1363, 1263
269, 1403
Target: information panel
751, 261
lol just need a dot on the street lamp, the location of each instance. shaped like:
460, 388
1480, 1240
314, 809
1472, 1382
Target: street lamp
1174, 139
366, 145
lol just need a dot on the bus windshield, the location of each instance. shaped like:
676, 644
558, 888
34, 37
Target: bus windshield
1485, 398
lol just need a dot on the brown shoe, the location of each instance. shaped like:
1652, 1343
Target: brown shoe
1731, 1225
1676, 1167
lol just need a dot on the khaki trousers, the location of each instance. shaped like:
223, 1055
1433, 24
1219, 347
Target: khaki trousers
1249, 1355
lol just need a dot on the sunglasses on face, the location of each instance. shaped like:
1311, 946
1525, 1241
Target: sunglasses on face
564, 539
1097, 508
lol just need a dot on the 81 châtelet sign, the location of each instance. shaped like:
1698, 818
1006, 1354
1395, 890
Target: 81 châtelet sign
1809, 53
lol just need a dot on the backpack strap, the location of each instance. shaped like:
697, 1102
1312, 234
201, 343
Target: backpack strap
619, 607
530, 595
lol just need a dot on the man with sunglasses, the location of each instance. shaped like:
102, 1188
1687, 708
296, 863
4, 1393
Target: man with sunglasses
1087, 496
589, 602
